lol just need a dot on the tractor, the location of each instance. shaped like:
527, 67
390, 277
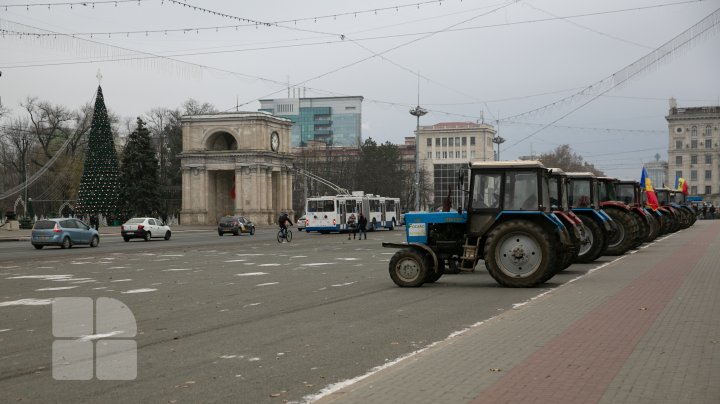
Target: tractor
627, 225
583, 201
629, 192
560, 207
507, 223
683, 214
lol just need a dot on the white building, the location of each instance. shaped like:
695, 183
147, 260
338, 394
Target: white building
694, 149
446, 147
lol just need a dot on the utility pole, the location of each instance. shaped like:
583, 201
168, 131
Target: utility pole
417, 112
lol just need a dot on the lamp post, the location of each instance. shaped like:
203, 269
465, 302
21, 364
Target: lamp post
498, 140
417, 112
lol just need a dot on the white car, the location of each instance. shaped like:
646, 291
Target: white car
301, 223
144, 228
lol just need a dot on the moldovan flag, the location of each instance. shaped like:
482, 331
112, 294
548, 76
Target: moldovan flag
646, 185
682, 185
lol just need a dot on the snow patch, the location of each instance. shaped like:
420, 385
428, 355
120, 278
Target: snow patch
59, 288
143, 290
27, 302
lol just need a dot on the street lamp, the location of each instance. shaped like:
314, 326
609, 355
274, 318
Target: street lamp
498, 140
417, 112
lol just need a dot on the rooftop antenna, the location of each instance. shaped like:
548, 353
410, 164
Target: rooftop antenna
237, 103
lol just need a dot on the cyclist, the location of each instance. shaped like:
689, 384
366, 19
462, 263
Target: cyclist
284, 222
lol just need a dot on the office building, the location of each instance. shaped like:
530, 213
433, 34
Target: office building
335, 121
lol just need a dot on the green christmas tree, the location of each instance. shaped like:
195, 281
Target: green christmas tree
99, 186
139, 183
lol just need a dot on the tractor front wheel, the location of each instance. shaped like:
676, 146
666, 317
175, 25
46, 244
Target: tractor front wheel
408, 268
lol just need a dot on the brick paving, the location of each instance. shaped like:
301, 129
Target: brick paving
645, 328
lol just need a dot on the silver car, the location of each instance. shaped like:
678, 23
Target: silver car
63, 232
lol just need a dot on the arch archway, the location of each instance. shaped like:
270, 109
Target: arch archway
222, 140
235, 163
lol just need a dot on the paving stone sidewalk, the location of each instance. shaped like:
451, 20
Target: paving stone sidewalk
641, 328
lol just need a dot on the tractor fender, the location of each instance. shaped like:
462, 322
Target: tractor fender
615, 204
600, 217
547, 220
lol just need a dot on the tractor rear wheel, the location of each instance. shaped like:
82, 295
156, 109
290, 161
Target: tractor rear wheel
625, 231
594, 244
409, 268
519, 254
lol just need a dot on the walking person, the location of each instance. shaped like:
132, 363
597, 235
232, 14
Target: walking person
94, 222
362, 226
352, 225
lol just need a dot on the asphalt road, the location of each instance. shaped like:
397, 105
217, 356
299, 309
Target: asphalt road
235, 319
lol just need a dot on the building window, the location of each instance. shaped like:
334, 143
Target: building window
693, 131
457, 154
678, 144
708, 174
444, 141
693, 190
708, 159
693, 159
457, 141
693, 175
708, 190
429, 142
472, 154
693, 144
429, 155
437, 141
678, 174
444, 154
451, 142
437, 155
464, 153
708, 143
708, 130
472, 140
678, 160
464, 141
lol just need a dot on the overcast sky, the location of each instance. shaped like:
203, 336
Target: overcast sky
525, 66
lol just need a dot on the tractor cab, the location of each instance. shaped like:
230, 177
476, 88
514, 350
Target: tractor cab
630, 193
558, 191
628, 230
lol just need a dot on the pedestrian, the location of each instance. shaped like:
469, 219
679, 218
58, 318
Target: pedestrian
362, 226
705, 211
351, 224
94, 222
712, 212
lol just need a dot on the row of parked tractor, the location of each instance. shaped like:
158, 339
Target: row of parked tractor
528, 222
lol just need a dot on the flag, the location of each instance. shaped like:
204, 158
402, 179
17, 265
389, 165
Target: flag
682, 186
646, 185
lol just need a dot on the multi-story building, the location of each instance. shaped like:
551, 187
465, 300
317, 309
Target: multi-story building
335, 121
448, 146
694, 149
657, 171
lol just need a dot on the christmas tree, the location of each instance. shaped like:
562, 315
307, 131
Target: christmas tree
99, 186
139, 183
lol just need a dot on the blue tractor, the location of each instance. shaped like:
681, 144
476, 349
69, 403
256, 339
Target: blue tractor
507, 222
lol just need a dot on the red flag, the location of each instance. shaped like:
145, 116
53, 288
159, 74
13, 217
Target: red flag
646, 185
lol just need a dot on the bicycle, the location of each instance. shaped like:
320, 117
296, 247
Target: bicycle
284, 234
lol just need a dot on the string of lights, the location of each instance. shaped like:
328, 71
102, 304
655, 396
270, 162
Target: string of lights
701, 30
253, 23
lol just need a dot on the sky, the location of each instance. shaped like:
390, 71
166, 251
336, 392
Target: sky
596, 75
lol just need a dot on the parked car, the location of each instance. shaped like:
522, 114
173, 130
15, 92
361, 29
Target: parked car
301, 223
235, 225
63, 232
144, 228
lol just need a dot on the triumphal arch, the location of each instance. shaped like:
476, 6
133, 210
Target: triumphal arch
235, 163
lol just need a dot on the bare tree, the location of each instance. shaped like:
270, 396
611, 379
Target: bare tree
47, 121
564, 158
